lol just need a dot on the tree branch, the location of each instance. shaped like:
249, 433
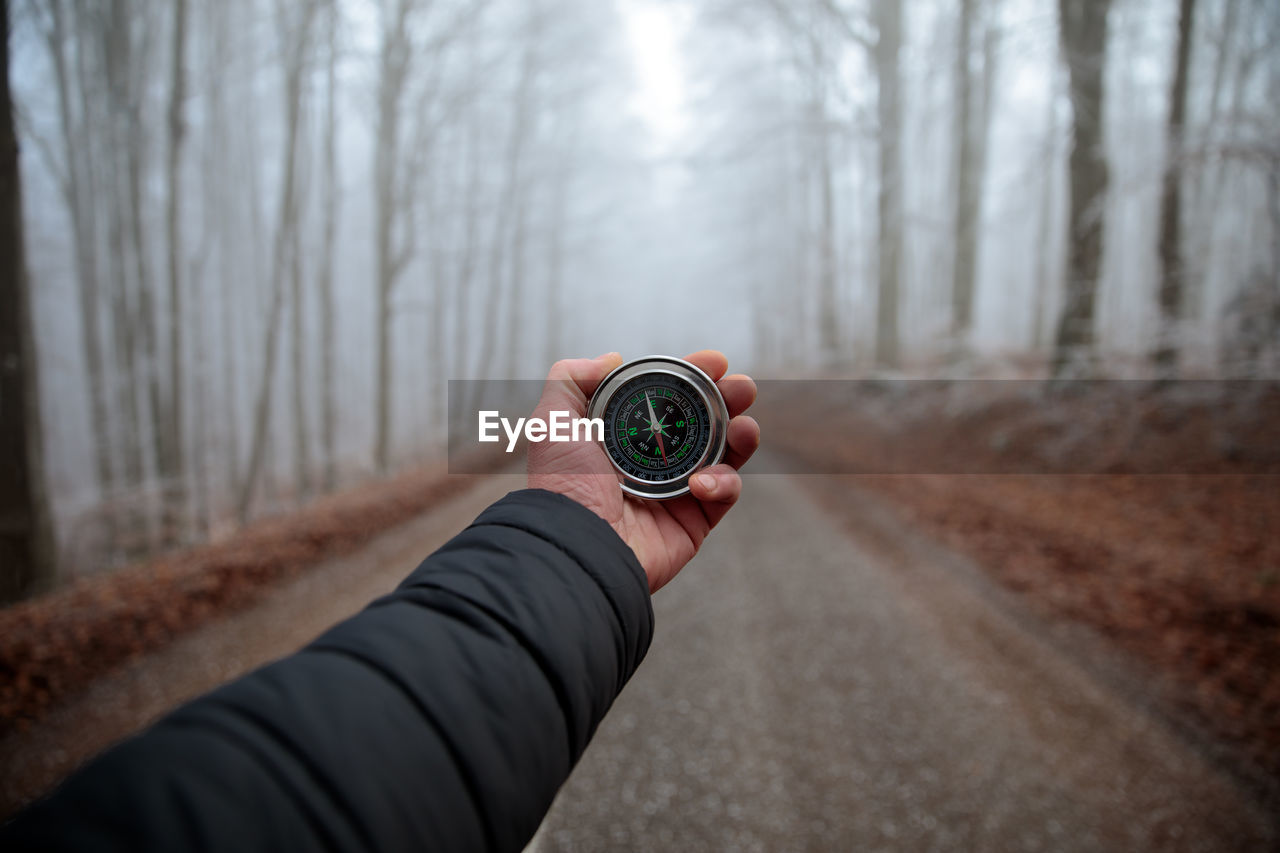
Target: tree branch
848, 26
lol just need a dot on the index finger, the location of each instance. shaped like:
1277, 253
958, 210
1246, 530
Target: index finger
709, 361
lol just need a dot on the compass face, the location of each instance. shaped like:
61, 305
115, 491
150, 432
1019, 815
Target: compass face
663, 420
656, 428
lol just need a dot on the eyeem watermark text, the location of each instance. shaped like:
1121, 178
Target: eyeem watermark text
561, 426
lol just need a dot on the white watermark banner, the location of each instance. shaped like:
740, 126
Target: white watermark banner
560, 426
924, 426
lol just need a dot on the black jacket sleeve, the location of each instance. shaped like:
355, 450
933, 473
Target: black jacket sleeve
445, 716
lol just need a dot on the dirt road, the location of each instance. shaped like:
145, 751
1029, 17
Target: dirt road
810, 687
816, 688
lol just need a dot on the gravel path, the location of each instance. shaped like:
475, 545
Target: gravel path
810, 688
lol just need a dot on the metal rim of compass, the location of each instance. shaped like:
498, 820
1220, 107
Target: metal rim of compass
717, 416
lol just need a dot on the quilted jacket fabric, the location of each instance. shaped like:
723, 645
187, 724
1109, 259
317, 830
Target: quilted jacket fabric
445, 716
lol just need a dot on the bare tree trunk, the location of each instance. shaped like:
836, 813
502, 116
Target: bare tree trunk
123, 323
967, 189
146, 363
383, 278
226, 218
973, 122
467, 265
555, 251
555, 274
174, 476
132, 333
297, 343
298, 360
297, 38
26, 540
1046, 276
200, 491
819, 138
389, 260
262, 406
1084, 44
1169, 249
508, 201
328, 340
76, 189
515, 312
1207, 190
438, 299
888, 14
828, 297
527, 106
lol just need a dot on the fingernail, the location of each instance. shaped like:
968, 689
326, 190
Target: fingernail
707, 482
608, 355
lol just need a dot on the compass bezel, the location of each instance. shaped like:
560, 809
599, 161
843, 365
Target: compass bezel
712, 400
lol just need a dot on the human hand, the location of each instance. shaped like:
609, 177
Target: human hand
664, 534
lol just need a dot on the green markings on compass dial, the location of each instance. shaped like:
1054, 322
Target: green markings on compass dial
656, 427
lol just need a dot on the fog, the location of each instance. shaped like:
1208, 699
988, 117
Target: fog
262, 234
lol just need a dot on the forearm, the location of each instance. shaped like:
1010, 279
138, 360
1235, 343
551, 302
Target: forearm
444, 716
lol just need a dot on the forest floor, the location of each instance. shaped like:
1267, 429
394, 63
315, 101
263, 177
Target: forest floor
1180, 570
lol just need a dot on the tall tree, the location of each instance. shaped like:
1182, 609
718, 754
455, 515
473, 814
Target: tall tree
26, 543
468, 257
173, 466
561, 180
1083, 33
406, 138
222, 138
391, 253
888, 46
329, 205
1046, 277
76, 179
1169, 249
883, 44
298, 366
828, 266
296, 41
816, 62
1210, 180
530, 104
103, 49
973, 110
126, 32
502, 295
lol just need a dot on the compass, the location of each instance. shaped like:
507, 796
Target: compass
664, 419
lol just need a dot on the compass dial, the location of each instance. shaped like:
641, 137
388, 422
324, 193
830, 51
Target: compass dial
663, 420
655, 427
